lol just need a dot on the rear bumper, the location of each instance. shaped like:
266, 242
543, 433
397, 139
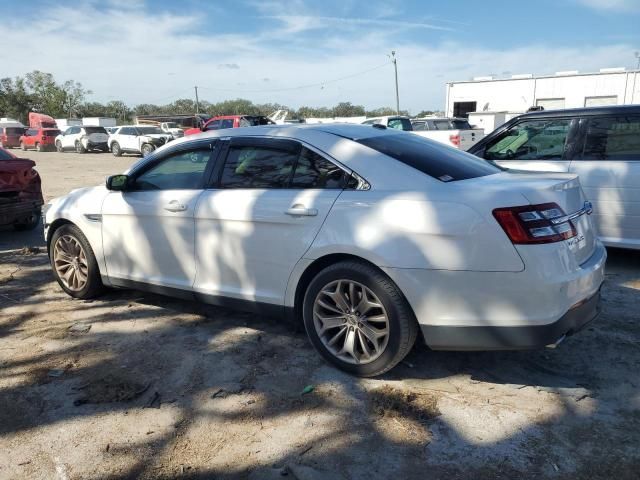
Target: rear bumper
513, 338
18, 212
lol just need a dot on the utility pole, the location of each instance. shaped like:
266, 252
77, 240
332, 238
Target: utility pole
197, 102
394, 60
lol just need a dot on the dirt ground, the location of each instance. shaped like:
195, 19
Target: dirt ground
134, 385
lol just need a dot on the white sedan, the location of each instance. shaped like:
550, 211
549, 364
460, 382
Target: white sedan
370, 236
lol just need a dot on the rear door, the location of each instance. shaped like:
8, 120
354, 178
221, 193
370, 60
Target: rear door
609, 169
542, 145
268, 200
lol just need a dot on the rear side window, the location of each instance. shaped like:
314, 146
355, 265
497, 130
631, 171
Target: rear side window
438, 161
257, 167
531, 140
613, 138
315, 171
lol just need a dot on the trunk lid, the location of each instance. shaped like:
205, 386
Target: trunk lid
98, 137
559, 188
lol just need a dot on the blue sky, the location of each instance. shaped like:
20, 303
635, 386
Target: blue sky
314, 53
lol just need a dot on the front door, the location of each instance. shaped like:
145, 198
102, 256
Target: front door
148, 230
609, 169
261, 215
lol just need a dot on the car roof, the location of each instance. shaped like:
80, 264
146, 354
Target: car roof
574, 112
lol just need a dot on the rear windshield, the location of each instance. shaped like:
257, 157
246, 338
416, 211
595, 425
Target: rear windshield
249, 121
51, 133
438, 161
14, 131
91, 130
4, 155
460, 125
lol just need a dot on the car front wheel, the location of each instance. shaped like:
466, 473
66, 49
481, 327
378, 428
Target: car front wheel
358, 319
147, 149
39, 148
80, 148
59, 147
115, 149
74, 264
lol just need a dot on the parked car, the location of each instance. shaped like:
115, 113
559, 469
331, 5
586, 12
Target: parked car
83, 139
600, 144
20, 192
367, 235
139, 139
40, 139
231, 121
172, 128
461, 138
10, 136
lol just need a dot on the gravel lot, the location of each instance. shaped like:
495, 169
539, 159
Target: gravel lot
133, 385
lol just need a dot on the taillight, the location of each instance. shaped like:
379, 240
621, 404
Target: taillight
455, 140
529, 224
43, 137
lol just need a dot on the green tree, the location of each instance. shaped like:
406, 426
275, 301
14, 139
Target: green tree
15, 99
347, 109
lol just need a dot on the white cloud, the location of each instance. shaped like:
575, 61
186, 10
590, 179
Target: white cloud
612, 5
141, 55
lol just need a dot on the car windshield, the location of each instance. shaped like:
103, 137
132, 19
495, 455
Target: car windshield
91, 130
172, 125
460, 125
438, 161
149, 130
51, 133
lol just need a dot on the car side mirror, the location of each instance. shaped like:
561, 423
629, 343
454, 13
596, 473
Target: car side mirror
117, 183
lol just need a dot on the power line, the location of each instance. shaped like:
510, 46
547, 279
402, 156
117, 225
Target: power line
299, 87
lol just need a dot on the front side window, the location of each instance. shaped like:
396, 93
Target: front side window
531, 140
127, 131
226, 123
215, 125
257, 167
315, 171
181, 171
613, 138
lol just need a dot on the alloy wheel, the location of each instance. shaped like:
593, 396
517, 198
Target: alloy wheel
351, 321
70, 262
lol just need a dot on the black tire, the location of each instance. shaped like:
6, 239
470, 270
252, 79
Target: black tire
80, 148
59, 148
94, 284
39, 147
403, 327
147, 149
23, 146
29, 224
116, 150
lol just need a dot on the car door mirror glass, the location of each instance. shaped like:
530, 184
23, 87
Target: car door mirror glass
117, 183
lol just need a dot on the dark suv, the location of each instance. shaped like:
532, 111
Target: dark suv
600, 144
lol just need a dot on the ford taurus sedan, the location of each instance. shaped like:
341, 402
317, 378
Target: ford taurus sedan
369, 236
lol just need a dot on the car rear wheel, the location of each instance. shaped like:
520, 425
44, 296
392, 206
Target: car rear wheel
147, 149
358, 319
23, 146
80, 148
39, 147
74, 264
59, 147
115, 149
29, 224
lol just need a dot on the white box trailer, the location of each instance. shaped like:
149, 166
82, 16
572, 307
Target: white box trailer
64, 123
488, 121
99, 121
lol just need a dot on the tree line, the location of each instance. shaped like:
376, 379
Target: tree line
39, 92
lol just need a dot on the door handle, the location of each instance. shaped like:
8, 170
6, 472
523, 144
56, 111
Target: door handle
175, 206
299, 210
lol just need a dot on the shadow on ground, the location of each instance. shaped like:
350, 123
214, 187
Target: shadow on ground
134, 385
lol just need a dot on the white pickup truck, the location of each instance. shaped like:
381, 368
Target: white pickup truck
455, 132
